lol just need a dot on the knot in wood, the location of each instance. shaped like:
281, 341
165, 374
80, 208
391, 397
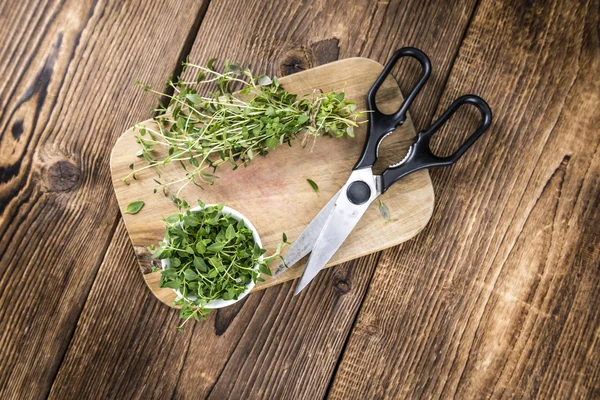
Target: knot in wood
17, 129
312, 55
294, 61
62, 176
342, 285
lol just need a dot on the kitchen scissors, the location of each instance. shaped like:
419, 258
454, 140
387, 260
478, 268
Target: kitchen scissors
332, 225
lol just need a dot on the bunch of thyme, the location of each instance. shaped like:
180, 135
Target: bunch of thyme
202, 132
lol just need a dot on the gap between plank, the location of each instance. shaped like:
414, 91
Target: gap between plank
462, 39
352, 326
113, 229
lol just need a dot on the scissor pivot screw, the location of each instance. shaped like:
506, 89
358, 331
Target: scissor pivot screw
358, 192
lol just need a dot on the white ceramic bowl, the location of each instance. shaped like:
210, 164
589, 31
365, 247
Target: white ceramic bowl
220, 303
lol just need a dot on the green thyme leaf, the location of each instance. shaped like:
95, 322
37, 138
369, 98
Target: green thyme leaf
135, 207
384, 211
264, 269
313, 185
272, 142
230, 232
190, 275
215, 247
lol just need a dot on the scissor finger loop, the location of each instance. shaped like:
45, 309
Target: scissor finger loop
381, 125
419, 154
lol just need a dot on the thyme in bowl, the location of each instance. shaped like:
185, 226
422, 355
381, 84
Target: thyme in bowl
202, 132
211, 256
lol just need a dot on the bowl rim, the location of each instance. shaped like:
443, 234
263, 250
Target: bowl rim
220, 303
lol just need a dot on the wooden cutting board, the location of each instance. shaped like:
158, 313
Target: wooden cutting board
272, 192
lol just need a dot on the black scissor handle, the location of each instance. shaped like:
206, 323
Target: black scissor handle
420, 155
380, 125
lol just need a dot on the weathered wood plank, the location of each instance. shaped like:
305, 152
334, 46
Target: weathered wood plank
282, 347
67, 71
499, 296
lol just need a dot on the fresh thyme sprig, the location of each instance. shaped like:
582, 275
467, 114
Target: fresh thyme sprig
202, 132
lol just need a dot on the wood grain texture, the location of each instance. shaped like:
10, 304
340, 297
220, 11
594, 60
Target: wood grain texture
141, 373
66, 92
272, 192
300, 339
498, 297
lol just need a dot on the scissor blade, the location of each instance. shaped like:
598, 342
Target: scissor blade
307, 239
342, 220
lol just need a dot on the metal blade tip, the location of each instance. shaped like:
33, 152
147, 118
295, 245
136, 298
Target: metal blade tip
299, 286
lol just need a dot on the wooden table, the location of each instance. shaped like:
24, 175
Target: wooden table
499, 296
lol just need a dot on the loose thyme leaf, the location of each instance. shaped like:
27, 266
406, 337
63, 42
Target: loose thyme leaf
194, 98
264, 80
384, 211
134, 208
209, 63
313, 185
